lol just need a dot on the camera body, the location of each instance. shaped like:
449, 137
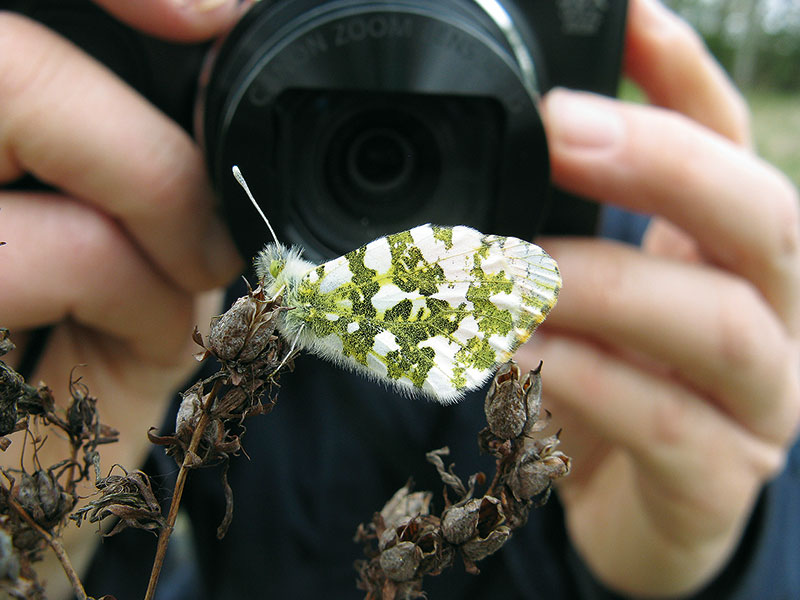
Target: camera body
351, 119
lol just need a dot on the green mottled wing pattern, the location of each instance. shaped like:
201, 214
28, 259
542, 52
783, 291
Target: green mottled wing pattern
432, 309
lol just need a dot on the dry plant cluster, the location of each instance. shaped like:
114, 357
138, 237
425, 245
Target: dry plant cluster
402, 543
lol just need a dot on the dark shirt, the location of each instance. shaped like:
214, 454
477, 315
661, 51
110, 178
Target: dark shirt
333, 451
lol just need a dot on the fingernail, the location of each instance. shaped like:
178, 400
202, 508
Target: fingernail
202, 5
582, 120
649, 13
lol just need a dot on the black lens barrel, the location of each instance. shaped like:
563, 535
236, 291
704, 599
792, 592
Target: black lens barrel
353, 119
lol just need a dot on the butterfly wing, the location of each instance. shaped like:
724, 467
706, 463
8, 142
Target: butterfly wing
433, 309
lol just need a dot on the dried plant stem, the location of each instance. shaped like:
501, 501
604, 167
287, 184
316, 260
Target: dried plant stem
58, 549
177, 493
63, 557
73, 463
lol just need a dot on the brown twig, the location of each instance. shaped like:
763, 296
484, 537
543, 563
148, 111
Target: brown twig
177, 493
73, 463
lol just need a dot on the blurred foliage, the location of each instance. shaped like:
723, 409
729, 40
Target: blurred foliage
777, 60
758, 44
776, 128
757, 41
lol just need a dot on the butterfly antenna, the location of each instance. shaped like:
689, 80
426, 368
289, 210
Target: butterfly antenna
240, 178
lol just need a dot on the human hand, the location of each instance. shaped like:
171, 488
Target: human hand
119, 261
673, 368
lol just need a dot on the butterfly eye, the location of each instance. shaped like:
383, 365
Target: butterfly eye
275, 267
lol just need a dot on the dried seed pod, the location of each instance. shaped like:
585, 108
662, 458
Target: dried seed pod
532, 388
400, 562
43, 498
537, 467
11, 384
437, 554
244, 330
189, 410
404, 504
479, 548
513, 405
412, 543
528, 479
50, 493
229, 331
415, 547
504, 405
460, 521
474, 519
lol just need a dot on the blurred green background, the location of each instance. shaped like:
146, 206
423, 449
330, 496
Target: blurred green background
758, 43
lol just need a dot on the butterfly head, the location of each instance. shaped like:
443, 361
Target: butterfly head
269, 265
278, 266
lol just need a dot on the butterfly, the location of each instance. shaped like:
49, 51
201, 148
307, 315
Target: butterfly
432, 310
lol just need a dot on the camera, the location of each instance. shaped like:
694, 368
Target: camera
351, 119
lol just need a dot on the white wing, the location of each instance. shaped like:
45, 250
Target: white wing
433, 309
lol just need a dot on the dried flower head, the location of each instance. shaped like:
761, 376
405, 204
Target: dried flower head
129, 497
405, 504
11, 388
35, 504
82, 419
414, 548
42, 497
210, 420
6, 345
412, 543
29, 505
37, 402
404, 543
536, 467
243, 339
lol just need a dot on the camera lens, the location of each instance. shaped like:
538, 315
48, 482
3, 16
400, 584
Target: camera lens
364, 164
353, 119
379, 161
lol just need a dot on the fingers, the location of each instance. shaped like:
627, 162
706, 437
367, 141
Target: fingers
668, 59
714, 332
71, 123
742, 213
180, 20
662, 238
668, 429
74, 264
